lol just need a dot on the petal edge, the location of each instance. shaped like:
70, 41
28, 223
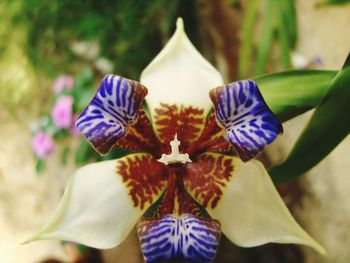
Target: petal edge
114, 107
249, 123
97, 208
243, 198
258, 215
179, 75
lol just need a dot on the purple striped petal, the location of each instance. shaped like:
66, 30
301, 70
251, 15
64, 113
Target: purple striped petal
115, 106
249, 123
185, 237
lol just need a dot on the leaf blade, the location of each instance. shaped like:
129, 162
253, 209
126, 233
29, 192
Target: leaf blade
328, 126
247, 40
291, 93
265, 41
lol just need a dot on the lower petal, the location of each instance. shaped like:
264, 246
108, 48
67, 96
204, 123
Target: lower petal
247, 204
102, 203
185, 237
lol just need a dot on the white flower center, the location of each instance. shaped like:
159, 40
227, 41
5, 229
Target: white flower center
175, 156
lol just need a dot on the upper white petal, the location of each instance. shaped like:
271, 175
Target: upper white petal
252, 212
180, 75
95, 210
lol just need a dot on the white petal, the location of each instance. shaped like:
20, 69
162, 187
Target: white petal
95, 210
180, 75
252, 213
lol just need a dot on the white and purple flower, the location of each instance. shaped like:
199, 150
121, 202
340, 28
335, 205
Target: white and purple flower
180, 158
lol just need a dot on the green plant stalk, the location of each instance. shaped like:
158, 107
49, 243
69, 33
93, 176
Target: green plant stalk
265, 40
283, 38
289, 17
247, 38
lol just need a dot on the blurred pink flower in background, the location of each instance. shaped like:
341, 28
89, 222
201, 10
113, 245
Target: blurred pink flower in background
62, 82
62, 112
42, 145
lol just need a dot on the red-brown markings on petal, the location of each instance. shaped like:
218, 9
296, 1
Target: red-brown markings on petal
211, 139
141, 137
187, 122
206, 177
143, 176
176, 199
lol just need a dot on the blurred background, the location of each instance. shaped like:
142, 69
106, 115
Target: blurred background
54, 53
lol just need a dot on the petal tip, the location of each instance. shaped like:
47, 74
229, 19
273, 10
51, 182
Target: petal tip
179, 74
319, 248
34, 237
180, 23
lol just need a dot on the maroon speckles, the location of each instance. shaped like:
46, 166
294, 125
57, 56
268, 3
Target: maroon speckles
176, 199
187, 122
211, 139
143, 176
141, 137
206, 177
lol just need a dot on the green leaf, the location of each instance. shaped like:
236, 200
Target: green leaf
283, 37
84, 152
291, 93
265, 39
347, 62
328, 126
116, 153
288, 13
332, 2
40, 166
65, 155
247, 40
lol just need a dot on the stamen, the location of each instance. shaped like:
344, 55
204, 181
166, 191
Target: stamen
175, 156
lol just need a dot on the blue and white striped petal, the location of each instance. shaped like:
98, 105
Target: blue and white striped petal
249, 123
115, 106
184, 237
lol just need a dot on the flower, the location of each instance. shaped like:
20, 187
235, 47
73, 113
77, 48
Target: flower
42, 145
179, 158
62, 112
62, 82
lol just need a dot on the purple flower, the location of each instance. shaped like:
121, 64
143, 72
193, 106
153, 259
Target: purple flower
62, 82
62, 112
42, 145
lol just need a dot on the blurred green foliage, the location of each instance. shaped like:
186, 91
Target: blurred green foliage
40, 35
277, 23
128, 32
333, 2
292, 93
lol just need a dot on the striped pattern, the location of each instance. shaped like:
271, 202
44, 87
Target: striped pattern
114, 107
186, 238
249, 123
